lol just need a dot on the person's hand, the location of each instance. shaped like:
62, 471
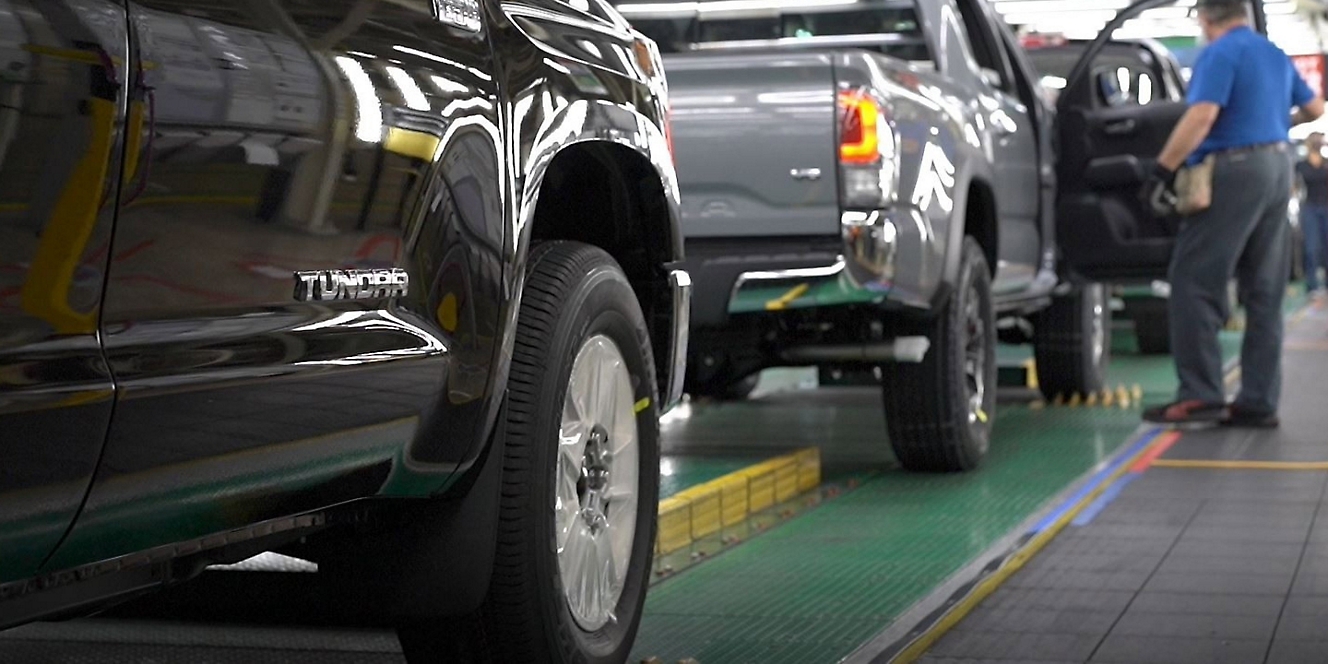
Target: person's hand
1158, 194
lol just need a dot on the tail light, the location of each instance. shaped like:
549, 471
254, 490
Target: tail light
859, 117
868, 151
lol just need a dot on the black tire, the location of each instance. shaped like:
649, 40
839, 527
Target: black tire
932, 426
1072, 342
1152, 326
573, 293
723, 388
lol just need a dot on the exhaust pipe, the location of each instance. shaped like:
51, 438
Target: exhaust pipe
907, 350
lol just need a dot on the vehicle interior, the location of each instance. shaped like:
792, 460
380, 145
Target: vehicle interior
1111, 123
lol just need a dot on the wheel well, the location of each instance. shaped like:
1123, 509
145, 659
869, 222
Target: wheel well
611, 197
980, 221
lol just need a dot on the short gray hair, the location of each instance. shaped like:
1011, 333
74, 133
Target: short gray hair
1225, 12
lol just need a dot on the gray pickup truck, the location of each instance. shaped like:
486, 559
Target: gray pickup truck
882, 183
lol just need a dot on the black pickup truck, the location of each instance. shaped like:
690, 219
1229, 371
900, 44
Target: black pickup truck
886, 184
391, 286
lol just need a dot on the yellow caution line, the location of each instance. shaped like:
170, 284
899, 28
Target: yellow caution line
1016, 562
706, 509
788, 298
1211, 464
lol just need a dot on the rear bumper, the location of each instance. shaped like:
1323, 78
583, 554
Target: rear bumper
862, 266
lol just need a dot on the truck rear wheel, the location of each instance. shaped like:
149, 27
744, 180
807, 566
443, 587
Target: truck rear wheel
940, 412
1072, 342
580, 478
1152, 325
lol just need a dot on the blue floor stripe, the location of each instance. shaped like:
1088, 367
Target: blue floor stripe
1086, 517
1095, 481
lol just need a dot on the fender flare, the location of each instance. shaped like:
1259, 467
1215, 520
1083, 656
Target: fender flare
958, 230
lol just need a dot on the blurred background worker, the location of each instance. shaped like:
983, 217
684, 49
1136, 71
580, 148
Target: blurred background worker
1312, 178
1240, 100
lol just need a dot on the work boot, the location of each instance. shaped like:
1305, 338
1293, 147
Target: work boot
1245, 418
1187, 412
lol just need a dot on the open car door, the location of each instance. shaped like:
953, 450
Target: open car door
1109, 134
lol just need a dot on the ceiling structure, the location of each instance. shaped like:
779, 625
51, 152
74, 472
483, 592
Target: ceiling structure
1290, 22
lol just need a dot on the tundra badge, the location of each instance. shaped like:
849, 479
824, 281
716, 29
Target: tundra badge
350, 284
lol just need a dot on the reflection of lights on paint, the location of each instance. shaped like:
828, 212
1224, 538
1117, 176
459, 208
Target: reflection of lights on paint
438, 58
591, 48
666, 467
415, 98
1145, 89
1123, 77
448, 86
368, 109
935, 176
1054, 82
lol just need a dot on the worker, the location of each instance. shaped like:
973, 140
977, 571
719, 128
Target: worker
1240, 100
1312, 179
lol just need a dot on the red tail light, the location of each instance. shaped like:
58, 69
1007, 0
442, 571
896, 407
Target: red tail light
859, 116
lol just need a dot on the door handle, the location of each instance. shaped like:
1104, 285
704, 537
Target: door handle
1120, 127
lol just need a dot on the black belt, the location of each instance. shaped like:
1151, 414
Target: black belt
1250, 149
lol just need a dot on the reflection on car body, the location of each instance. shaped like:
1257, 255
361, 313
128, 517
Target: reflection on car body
260, 258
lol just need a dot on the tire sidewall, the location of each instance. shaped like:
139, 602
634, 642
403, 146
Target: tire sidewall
974, 280
1090, 298
602, 303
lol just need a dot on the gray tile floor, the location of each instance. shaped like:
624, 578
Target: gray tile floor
1187, 565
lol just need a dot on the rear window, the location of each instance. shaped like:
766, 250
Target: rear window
890, 27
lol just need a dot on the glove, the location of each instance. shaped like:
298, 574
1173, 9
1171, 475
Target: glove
1159, 192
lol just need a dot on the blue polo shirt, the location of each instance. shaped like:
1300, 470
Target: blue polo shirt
1255, 84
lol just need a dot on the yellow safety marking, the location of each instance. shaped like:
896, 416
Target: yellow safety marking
1108, 397
641, 406
706, 509
1091, 401
1137, 393
1016, 562
1075, 400
982, 415
1211, 464
788, 298
1306, 345
1030, 374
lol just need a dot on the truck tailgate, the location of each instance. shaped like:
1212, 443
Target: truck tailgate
743, 125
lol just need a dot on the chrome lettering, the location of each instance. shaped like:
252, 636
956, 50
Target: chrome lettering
327, 285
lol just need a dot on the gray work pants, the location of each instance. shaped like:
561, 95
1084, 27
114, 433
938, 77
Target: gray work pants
1244, 234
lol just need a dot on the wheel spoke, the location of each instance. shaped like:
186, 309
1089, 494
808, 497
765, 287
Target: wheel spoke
597, 482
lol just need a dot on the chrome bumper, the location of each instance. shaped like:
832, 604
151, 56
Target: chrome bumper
680, 287
887, 254
871, 244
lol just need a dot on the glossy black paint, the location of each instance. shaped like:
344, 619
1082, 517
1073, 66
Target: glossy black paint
265, 137
62, 69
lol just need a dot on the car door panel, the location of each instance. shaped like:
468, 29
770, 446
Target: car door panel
292, 136
61, 126
1106, 153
